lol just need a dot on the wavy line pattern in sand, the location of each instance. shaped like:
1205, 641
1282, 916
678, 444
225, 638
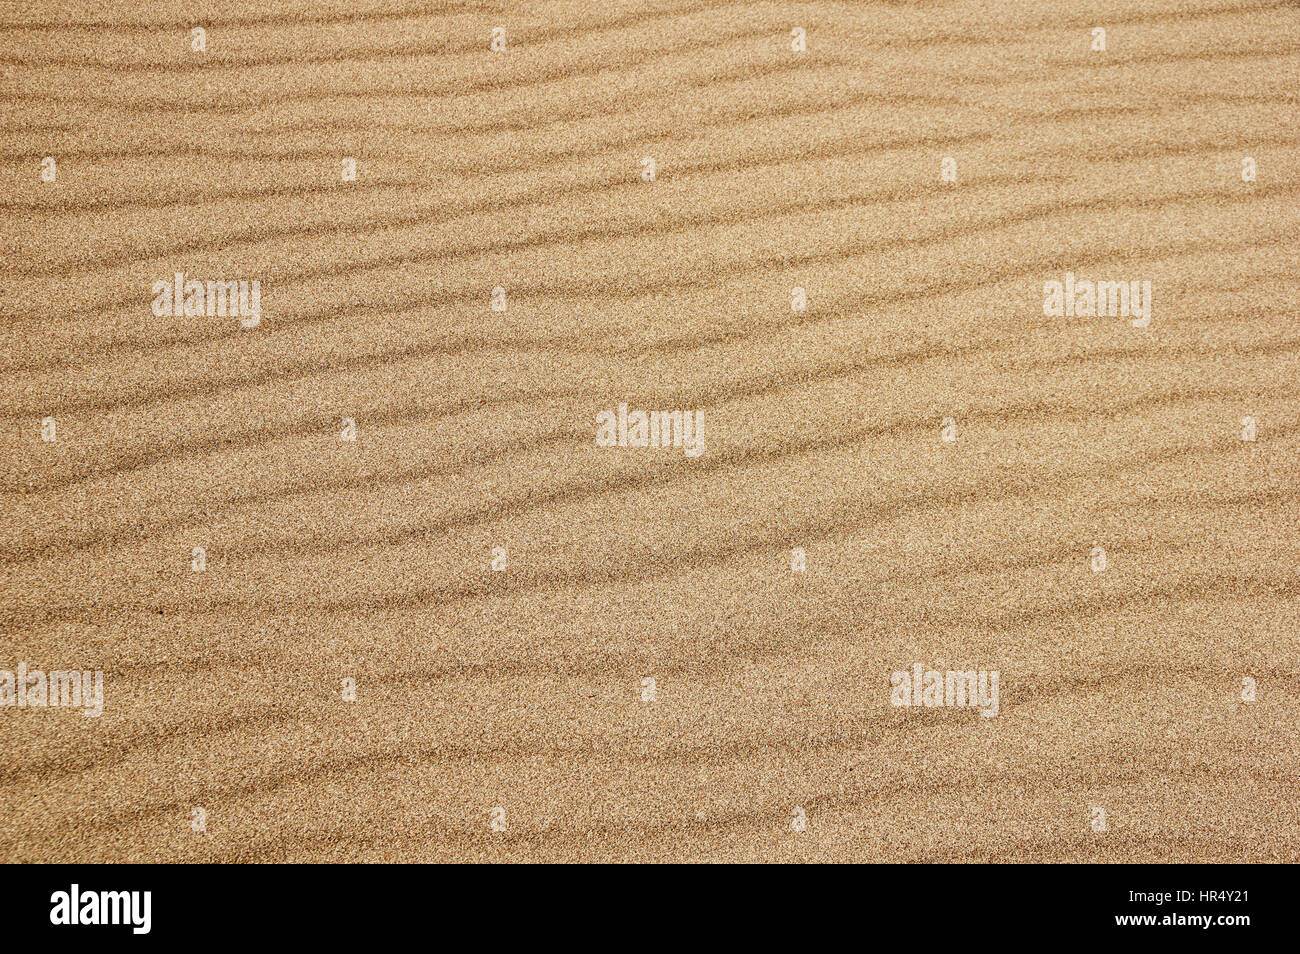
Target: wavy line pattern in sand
522, 689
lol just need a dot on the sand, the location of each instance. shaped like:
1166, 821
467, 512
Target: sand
646, 676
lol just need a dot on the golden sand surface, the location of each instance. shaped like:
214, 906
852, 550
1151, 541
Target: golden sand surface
649, 678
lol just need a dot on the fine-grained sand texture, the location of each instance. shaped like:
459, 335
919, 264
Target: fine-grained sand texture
509, 715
